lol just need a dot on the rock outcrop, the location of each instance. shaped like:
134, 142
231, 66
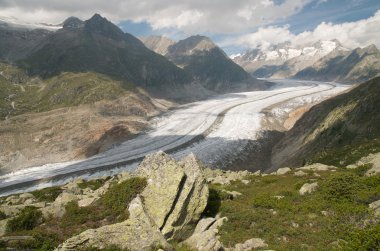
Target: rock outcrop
168, 208
176, 193
137, 233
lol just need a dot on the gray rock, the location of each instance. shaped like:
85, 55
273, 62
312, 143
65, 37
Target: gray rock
3, 225
282, 171
308, 188
317, 167
300, 173
205, 236
375, 206
135, 234
176, 193
250, 244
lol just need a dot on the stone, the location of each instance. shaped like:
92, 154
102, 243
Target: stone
176, 194
216, 176
205, 236
250, 244
3, 225
308, 188
245, 182
85, 202
317, 167
234, 194
137, 233
300, 173
279, 197
375, 206
282, 171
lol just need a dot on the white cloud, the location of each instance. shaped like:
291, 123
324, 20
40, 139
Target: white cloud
188, 16
351, 34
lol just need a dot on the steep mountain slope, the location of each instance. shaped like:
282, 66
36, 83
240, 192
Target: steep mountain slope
100, 46
355, 67
68, 116
158, 44
345, 126
201, 58
16, 44
284, 60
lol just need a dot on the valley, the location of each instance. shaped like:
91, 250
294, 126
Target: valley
216, 130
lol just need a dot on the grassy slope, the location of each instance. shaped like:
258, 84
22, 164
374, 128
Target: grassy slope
349, 121
64, 90
344, 195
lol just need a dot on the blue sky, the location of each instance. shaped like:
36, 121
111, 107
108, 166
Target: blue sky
307, 19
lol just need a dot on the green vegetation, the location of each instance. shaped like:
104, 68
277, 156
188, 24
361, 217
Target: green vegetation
48, 194
338, 210
92, 184
110, 248
2, 215
28, 219
348, 154
109, 209
64, 90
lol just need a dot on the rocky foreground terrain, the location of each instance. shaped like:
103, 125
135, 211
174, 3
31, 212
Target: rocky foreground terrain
170, 205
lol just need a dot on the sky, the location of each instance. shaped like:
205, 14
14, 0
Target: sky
235, 25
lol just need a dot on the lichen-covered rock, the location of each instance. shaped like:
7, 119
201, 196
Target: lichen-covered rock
3, 225
205, 236
375, 206
176, 193
135, 234
165, 179
308, 188
191, 201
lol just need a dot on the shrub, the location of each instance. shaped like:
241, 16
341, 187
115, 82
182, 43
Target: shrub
109, 248
48, 194
92, 184
363, 239
28, 219
2, 215
115, 200
341, 186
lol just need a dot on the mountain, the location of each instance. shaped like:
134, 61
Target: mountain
284, 60
337, 131
206, 62
158, 44
100, 46
16, 44
357, 66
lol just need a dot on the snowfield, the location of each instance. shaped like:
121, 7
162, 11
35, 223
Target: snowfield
214, 129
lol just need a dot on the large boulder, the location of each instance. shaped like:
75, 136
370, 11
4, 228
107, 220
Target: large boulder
135, 234
176, 194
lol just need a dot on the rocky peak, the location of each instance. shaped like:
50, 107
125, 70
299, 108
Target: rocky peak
73, 23
158, 44
370, 49
191, 45
100, 25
